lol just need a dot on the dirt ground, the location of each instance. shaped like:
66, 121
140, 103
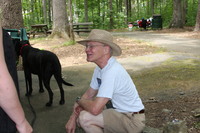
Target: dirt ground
72, 56
75, 55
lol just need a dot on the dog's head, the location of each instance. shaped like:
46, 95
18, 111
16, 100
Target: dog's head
19, 46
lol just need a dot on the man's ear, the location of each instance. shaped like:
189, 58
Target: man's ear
107, 49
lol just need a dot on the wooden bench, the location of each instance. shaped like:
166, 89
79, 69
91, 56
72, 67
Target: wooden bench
82, 27
79, 27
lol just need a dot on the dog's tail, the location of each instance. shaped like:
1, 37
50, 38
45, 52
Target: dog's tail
66, 83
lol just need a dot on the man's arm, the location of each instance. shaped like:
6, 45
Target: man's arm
71, 123
89, 95
9, 100
87, 102
91, 104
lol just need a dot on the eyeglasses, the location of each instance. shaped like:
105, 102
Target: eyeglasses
92, 46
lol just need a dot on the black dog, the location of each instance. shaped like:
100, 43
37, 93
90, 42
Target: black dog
44, 64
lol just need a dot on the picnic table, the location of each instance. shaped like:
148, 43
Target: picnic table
82, 27
39, 28
77, 27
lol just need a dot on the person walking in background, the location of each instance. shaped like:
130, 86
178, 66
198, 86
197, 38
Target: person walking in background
112, 103
144, 23
12, 117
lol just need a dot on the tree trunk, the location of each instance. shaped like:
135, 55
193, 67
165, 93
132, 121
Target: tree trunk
70, 26
44, 7
129, 10
99, 8
117, 6
197, 25
32, 12
59, 19
11, 14
126, 11
120, 5
152, 7
177, 20
111, 14
86, 10
184, 10
50, 10
138, 9
103, 15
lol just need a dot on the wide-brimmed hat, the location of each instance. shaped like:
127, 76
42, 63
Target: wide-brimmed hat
104, 37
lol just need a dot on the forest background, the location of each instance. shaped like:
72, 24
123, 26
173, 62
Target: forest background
105, 14
112, 14
109, 15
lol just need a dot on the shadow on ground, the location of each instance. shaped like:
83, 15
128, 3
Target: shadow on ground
53, 119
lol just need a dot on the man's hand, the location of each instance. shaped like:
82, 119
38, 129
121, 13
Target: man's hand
71, 124
24, 127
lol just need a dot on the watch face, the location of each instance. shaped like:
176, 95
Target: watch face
77, 99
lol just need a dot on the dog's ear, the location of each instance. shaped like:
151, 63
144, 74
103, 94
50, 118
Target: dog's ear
24, 42
28, 42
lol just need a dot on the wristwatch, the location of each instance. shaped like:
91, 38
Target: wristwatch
78, 99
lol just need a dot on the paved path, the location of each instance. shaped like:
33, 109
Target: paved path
172, 43
179, 48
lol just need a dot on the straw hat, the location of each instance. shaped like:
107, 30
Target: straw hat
104, 37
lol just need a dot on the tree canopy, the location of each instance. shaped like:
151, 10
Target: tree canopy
105, 14
109, 14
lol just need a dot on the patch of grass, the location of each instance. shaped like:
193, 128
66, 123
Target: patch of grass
38, 39
171, 75
65, 44
197, 125
69, 43
150, 45
160, 50
41, 48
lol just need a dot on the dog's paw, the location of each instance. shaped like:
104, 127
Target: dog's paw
49, 104
62, 102
28, 94
41, 90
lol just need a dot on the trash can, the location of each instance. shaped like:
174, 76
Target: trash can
157, 22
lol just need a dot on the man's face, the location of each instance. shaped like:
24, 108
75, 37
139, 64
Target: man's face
95, 51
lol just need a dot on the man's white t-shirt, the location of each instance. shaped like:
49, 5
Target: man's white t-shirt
115, 83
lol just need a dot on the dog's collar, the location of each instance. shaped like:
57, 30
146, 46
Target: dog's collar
22, 48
